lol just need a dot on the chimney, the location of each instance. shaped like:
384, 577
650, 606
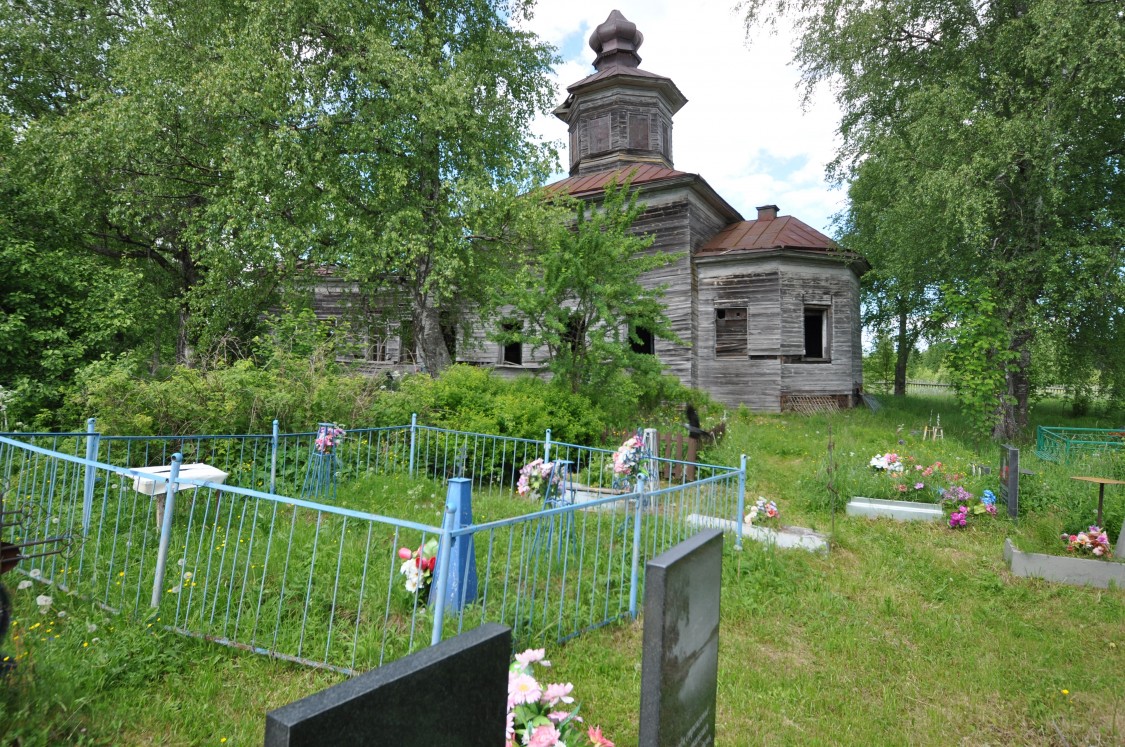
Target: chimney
767, 212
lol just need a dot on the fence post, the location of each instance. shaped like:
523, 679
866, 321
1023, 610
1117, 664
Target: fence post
738, 519
273, 461
461, 570
92, 441
441, 582
635, 570
166, 529
547, 447
413, 431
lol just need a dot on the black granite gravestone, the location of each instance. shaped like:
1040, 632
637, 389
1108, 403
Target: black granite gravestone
1010, 478
680, 658
454, 693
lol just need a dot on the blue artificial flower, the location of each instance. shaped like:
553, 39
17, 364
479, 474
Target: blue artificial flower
988, 498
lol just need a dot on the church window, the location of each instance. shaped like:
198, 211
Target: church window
730, 332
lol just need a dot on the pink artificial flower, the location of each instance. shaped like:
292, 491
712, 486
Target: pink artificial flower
918, 486
558, 693
559, 716
599, 739
531, 656
545, 735
901, 487
405, 553
927, 471
522, 688
510, 729
1099, 550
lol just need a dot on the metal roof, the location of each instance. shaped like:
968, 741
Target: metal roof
782, 232
586, 184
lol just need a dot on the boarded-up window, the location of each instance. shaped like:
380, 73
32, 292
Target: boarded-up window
598, 132
816, 334
730, 332
638, 132
666, 138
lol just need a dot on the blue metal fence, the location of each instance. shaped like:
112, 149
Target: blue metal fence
245, 564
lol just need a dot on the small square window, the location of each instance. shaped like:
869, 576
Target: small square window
643, 341
730, 332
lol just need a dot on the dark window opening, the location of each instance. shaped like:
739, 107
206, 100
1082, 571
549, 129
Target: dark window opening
643, 341
816, 334
574, 337
406, 353
730, 333
512, 352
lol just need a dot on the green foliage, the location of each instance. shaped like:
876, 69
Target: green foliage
978, 359
982, 141
580, 297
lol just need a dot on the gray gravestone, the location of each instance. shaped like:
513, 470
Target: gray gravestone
1010, 478
680, 658
454, 693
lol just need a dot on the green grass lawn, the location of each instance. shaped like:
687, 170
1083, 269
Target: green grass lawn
903, 634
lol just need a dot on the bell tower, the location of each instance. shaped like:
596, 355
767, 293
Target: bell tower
621, 114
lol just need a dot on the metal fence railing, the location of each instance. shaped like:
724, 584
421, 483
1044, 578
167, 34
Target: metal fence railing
1061, 445
256, 564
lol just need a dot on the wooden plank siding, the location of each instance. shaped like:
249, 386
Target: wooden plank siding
776, 288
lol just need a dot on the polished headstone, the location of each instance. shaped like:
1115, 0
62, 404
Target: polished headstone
1010, 478
680, 657
454, 693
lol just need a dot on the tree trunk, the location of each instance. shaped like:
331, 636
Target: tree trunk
1016, 404
429, 339
903, 345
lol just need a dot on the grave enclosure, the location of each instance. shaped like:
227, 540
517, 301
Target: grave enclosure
250, 564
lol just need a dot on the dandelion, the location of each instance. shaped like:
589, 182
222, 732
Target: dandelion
35, 573
90, 627
1066, 692
25, 584
44, 603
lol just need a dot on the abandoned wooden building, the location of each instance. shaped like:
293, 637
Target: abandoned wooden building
768, 308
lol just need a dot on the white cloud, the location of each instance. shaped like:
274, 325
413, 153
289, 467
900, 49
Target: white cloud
743, 128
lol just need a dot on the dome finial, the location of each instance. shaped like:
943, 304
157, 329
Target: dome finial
616, 42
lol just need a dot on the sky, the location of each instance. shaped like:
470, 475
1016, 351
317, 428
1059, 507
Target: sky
743, 129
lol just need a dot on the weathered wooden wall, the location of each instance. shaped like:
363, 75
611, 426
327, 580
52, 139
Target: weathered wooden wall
775, 288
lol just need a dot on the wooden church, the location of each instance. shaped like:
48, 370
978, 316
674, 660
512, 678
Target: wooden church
768, 308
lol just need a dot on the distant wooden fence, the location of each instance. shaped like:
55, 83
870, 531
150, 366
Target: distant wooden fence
941, 387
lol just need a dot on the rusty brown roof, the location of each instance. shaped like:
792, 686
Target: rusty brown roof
586, 184
614, 71
782, 232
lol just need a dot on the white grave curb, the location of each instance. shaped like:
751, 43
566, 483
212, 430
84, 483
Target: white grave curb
786, 537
